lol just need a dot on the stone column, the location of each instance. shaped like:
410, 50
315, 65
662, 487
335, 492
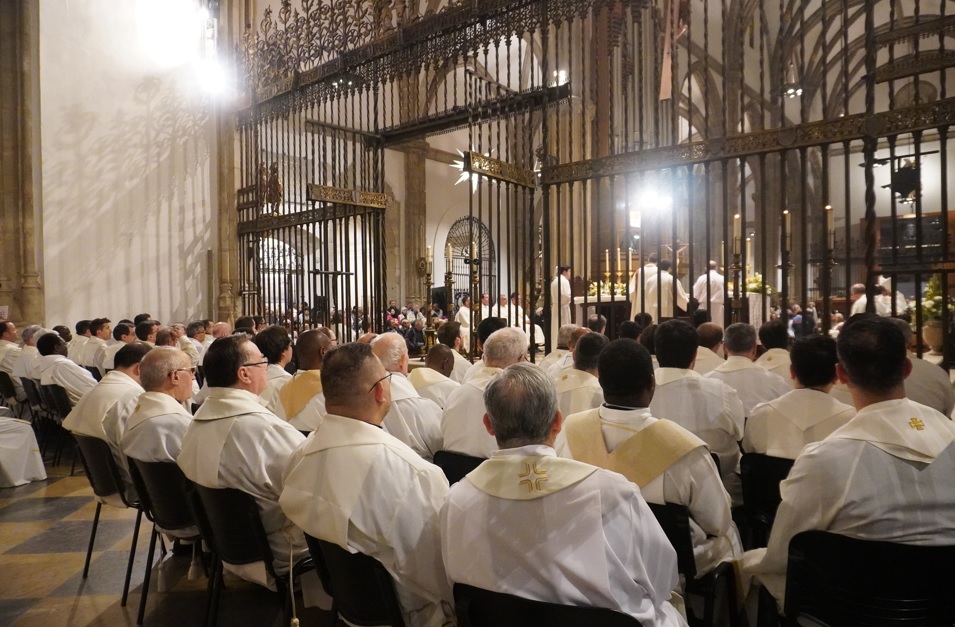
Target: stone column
31, 291
226, 176
415, 219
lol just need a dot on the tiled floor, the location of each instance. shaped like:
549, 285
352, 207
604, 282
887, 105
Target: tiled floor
44, 532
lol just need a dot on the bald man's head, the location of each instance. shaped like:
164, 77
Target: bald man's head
576, 335
311, 348
710, 335
440, 359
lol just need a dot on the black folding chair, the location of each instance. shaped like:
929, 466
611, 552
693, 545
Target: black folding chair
231, 526
107, 481
362, 589
760, 475
56, 398
476, 607
456, 465
8, 393
837, 580
93, 370
161, 489
675, 520
43, 421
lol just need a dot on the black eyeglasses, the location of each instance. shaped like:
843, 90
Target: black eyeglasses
255, 363
189, 370
387, 376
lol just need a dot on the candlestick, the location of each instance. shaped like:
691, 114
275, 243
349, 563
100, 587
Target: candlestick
787, 230
607, 260
447, 257
473, 251
737, 234
830, 230
618, 262
428, 254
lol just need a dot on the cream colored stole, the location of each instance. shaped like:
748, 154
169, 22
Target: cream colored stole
642, 458
296, 394
526, 477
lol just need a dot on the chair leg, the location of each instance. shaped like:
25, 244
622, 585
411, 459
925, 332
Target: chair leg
89, 550
214, 590
132, 556
146, 576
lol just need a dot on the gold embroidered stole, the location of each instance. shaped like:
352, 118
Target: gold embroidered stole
296, 394
642, 458
526, 477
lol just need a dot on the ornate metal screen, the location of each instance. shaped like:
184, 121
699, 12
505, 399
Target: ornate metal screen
601, 131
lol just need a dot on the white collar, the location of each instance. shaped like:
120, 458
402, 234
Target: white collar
662, 376
736, 362
902, 428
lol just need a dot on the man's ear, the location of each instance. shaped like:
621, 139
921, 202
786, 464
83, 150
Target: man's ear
843, 376
488, 425
907, 368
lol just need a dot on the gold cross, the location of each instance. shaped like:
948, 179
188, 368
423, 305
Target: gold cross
917, 424
541, 477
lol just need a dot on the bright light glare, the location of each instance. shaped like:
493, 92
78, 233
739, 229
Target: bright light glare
169, 31
635, 219
212, 77
653, 200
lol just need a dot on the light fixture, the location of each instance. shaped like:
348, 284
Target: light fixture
465, 175
792, 87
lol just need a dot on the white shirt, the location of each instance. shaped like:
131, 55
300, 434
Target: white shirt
414, 420
155, 429
355, 485
109, 355
560, 366
10, 355
91, 354
716, 282
637, 285
707, 408
777, 360
512, 314
462, 423
432, 385
25, 365
754, 385
663, 285
781, 428
60, 370
276, 378
578, 391
877, 478
464, 317
930, 385
234, 442
706, 360
75, 347
593, 543
552, 357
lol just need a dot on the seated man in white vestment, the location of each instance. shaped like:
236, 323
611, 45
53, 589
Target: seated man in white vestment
754, 385
276, 345
433, 382
559, 350
184, 344
92, 354
25, 365
708, 355
578, 388
80, 338
485, 329
667, 462
302, 399
929, 384
414, 420
886, 475
103, 411
707, 408
54, 367
155, 429
353, 484
235, 442
774, 336
462, 421
10, 353
708, 291
534, 525
450, 334
559, 367
781, 428
123, 334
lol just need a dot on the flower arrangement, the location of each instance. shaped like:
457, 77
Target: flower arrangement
754, 284
932, 301
620, 289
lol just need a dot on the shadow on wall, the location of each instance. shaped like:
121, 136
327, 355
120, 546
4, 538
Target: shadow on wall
128, 206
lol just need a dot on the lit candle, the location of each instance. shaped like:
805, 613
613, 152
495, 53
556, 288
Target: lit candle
607, 259
447, 257
618, 261
830, 229
473, 252
428, 254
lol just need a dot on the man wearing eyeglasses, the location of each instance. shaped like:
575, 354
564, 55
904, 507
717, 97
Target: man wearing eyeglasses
156, 427
353, 484
235, 442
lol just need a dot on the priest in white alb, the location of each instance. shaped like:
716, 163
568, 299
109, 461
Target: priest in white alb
660, 285
451, 334
276, 345
708, 291
807, 414
53, 366
531, 524
708, 357
302, 399
774, 336
235, 442
637, 286
753, 384
886, 475
578, 388
560, 299
433, 381
353, 484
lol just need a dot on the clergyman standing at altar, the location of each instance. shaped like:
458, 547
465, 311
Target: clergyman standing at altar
560, 297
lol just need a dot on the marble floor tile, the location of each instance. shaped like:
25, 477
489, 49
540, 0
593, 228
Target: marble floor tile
42, 509
26, 576
74, 537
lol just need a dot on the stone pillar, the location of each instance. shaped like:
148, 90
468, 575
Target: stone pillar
226, 176
415, 219
31, 291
